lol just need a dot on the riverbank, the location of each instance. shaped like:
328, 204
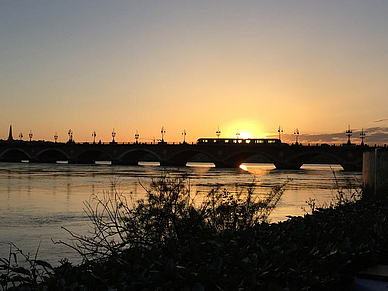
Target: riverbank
321, 251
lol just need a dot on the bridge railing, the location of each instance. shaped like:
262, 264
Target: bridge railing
186, 143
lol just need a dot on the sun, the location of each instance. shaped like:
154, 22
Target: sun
243, 129
245, 135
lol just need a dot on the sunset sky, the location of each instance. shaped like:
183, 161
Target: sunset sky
251, 66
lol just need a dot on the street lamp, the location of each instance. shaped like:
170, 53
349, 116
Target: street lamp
238, 133
113, 136
21, 135
30, 135
362, 136
163, 131
94, 134
55, 137
280, 131
184, 135
296, 133
218, 132
70, 134
137, 137
349, 134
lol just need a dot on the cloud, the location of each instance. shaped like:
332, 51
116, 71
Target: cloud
380, 120
373, 135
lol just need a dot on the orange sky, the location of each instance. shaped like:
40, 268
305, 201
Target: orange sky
250, 66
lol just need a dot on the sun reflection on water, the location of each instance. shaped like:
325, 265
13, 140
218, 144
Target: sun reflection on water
243, 167
257, 169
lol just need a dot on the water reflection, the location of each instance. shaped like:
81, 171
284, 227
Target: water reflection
258, 169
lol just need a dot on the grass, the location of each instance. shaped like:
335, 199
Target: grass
341, 195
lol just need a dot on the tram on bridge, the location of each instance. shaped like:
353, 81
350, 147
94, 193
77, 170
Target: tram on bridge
239, 141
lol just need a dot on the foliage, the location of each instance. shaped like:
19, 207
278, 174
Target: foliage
167, 213
344, 195
341, 196
13, 274
236, 211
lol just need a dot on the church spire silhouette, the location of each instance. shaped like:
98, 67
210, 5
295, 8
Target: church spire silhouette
10, 137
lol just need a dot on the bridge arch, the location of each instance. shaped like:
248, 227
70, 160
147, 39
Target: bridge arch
14, 155
308, 157
237, 158
134, 156
90, 156
51, 155
182, 157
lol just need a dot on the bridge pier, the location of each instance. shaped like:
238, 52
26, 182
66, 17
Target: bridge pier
222, 164
125, 163
288, 166
352, 167
172, 163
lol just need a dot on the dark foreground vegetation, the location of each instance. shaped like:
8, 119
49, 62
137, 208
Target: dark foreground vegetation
167, 243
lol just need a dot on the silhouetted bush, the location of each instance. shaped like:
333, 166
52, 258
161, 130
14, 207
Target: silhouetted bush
168, 212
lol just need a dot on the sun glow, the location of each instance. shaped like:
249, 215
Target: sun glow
245, 135
243, 167
243, 129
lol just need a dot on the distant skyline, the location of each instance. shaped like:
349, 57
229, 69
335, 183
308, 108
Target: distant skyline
250, 66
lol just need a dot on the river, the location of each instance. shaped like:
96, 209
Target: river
37, 200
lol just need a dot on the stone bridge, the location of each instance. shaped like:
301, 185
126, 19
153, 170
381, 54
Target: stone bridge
283, 156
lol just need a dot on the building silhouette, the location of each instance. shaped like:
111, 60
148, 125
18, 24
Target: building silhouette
10, 137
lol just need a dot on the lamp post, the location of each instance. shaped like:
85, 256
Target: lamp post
238, 133
21, 136
137, 137
296, 133
94, 134
30, 135
184, 135
362, 136
218, 132
280, 131
349, 134
70, 134
163, 131
113, 136
55, 137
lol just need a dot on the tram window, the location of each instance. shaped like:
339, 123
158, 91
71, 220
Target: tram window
247, 141
234, 141
240, 141
259, 141
271, 141
227, 141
